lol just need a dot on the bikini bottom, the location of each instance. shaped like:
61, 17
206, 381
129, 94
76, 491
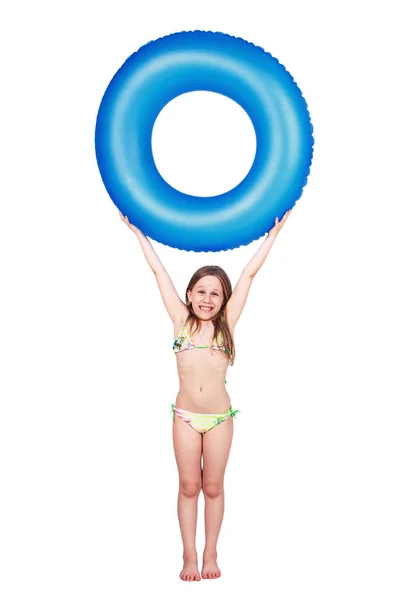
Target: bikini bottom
202, 422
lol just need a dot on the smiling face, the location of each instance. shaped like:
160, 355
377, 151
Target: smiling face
206, 297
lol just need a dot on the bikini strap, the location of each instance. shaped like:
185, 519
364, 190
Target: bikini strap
233, 412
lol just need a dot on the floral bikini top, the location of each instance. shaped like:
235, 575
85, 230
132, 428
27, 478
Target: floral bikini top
184, 342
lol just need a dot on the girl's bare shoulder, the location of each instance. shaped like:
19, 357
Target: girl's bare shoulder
178, 321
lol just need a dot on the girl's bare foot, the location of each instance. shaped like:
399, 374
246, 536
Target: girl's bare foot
210, 568
190, 571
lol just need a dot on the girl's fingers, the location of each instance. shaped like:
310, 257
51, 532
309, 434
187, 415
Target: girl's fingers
125, 219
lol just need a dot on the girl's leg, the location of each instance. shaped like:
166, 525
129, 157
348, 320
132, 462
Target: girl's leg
188, 448
216, 447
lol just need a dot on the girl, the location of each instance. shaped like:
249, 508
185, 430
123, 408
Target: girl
202, 428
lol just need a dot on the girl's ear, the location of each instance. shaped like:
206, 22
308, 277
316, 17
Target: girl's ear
189, 296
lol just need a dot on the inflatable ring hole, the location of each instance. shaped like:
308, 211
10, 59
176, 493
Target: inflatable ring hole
203, 143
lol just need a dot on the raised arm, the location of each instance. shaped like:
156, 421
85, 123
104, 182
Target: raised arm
238, 299
177, 309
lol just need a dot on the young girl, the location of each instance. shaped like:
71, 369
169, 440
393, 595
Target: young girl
202, 428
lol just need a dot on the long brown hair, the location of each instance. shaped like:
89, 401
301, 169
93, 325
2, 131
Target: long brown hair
219, 321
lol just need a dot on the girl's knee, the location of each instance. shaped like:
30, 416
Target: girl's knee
212, 489
190, 488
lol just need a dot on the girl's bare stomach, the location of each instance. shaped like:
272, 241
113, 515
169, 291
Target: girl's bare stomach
202, 382
204, 398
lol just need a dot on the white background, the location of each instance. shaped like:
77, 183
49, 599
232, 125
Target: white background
88, 477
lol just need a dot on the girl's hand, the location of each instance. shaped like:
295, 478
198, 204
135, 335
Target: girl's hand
126, 221
273, 232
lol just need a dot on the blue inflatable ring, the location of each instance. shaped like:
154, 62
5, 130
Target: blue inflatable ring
189, 61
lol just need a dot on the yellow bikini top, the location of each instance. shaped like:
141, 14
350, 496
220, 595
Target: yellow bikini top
184, 342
